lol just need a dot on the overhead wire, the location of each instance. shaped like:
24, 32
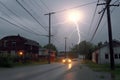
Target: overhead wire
116, 5
36, 7
100, 20
16, 16
33, 10
106, 21
56, 11
31, 15
98, 25
93, 18
57, 40
75, 7
17, 25
45, 5
116, 1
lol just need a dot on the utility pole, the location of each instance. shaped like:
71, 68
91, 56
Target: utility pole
49, 35
65, 47
112, 64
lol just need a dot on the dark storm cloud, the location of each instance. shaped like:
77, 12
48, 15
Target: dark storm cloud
60, 26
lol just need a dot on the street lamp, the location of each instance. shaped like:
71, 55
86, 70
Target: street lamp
20, 53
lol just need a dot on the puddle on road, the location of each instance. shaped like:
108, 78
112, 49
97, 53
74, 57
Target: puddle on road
69, 66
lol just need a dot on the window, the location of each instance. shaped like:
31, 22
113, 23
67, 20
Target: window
116, 56
106, 56
13, 44
5, 43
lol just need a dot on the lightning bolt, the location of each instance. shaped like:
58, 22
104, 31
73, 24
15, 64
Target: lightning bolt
78, 31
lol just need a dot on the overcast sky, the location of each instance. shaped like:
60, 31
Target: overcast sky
24, 25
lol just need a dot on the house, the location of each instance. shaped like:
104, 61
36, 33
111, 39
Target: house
102, 55
17, 45
43, 54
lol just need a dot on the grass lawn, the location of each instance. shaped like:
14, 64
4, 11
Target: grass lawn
104, 68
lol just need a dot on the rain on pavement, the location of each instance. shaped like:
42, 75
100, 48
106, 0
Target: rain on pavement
54, 71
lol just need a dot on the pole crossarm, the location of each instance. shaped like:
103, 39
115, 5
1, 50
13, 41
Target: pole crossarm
107, 5
49, 13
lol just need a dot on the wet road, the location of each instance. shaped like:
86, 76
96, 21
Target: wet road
55, 71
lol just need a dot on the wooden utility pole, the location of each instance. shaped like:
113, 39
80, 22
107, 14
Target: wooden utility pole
112, 65
65, 47
49, 35
111, 50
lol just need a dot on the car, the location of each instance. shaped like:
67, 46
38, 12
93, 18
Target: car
66, 60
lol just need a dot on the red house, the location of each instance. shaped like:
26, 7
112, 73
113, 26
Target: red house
18, 45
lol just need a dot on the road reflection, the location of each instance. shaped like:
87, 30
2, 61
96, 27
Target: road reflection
69, 65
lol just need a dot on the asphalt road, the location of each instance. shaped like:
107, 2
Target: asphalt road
54, 71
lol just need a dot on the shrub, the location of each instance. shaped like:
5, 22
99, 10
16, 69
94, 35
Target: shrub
6, 61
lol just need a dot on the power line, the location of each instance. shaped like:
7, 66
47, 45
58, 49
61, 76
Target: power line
116, 1
16, 16
99, 22
17, 25
31, 15
114, 6
93, 18
36, 8
38, 5
102, 17
75, 7
98, 25
45, 5
105, 21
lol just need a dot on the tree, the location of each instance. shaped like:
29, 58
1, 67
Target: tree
52, 47
84, 48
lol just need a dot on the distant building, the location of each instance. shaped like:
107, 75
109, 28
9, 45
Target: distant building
81, 56
18, 45
61, 54
43, 54
102, 55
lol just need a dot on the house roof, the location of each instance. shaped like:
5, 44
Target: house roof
116, 43
27, 41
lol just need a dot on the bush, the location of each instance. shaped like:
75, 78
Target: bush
6, 61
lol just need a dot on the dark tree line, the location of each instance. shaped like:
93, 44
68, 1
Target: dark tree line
84, 48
